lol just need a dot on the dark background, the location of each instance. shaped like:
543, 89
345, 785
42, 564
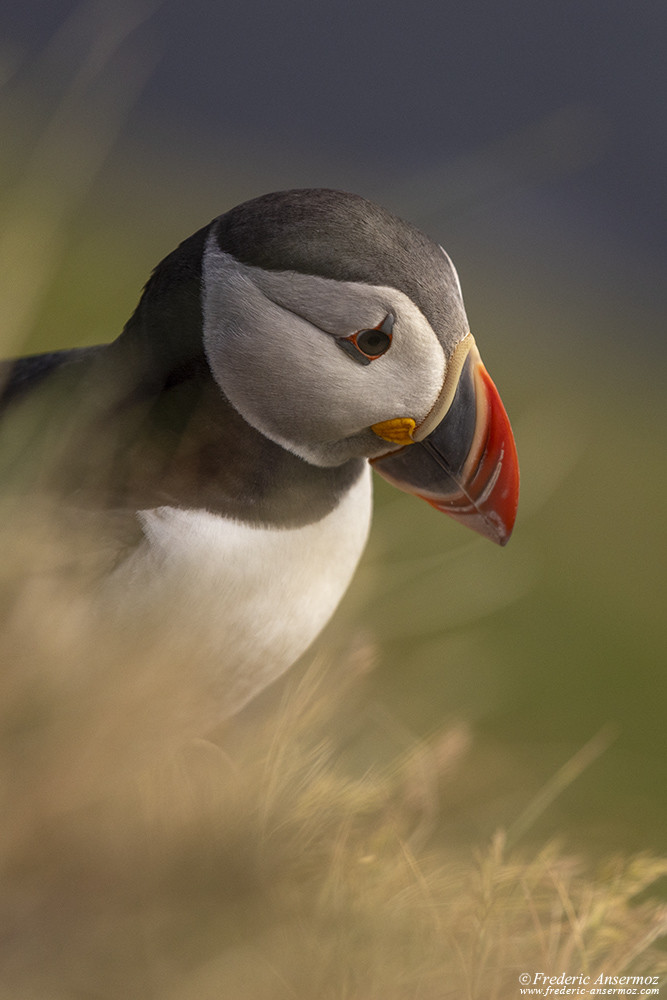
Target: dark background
529, 138
521, 129
402, 86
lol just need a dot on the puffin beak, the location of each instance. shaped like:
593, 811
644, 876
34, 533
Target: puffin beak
462, 458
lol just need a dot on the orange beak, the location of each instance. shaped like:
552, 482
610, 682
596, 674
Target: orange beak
467, 465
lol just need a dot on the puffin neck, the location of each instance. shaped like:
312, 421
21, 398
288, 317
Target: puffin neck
209, 456
162, 340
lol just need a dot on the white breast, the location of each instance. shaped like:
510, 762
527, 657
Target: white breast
256, 597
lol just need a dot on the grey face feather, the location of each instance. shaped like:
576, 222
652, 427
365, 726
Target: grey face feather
341, 236
270, 340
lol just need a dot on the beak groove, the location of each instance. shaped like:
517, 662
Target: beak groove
467, 465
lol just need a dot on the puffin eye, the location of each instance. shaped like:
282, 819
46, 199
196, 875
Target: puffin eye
373, 343
367, 345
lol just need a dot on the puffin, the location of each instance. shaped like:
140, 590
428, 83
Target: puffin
223, 444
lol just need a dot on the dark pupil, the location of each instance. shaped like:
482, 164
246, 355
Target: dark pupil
373, 342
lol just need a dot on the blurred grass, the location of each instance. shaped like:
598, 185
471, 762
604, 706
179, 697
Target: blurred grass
263, 861
333, 840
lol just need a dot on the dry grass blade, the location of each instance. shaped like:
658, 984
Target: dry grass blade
136, 860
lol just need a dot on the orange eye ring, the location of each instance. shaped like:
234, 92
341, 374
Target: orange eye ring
370, 343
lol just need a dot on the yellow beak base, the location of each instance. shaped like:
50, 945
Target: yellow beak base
398, 431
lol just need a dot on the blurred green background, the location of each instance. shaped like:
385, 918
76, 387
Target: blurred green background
530, 142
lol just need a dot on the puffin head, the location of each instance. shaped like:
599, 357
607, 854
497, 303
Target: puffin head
338, 331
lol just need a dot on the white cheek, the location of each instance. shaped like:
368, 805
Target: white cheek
414, 372
291, 381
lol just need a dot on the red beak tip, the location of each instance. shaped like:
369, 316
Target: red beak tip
481, 491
